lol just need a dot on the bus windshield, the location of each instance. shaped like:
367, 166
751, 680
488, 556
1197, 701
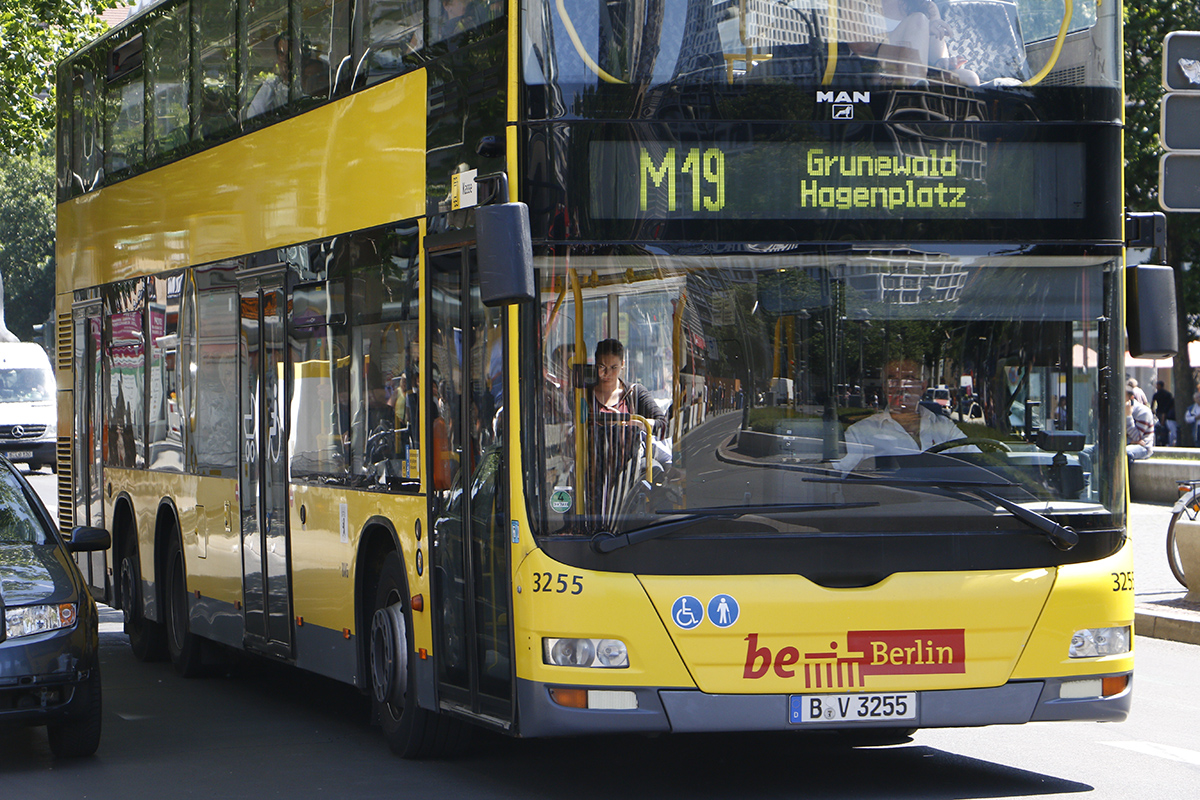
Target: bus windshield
989, 43
773, 387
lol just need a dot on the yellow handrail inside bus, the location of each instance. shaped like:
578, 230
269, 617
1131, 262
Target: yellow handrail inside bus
1058, 45
579, 48
645, 423
831, 52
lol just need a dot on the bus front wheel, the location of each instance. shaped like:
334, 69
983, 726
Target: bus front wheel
410, 731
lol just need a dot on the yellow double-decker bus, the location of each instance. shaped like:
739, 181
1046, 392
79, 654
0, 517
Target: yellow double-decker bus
782, 393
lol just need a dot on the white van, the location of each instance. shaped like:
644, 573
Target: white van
28, 406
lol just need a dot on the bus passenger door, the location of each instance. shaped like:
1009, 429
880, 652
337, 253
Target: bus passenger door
262, 468
87, 447
467, 475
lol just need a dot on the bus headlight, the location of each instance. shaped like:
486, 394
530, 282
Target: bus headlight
28, 620
1094, 642
600, 653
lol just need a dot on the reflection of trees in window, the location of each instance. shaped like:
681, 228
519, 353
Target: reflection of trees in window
168, 69
216, 95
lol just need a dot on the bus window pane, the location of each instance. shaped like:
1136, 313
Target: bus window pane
394, 30
386, 344
124, 371
166, 432
86, 151
124, 124
320, 412
168, 68
325, 33
215, 24
449, 18
215, 410
266, 75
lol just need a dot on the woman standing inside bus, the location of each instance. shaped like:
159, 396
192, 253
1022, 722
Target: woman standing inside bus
618, 441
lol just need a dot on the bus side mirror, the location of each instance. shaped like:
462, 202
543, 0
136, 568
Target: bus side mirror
1150, 321
505, 254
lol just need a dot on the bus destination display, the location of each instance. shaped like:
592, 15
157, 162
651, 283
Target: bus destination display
949, 179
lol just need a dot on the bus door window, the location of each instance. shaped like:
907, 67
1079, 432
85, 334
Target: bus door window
470, 533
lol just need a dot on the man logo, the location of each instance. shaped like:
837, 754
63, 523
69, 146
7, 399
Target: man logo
843, 102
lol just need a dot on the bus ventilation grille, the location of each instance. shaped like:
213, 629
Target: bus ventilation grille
1071, 76
65, 334
66, 498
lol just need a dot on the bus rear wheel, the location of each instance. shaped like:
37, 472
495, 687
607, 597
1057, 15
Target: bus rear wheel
147, 638
410, 731
184, 647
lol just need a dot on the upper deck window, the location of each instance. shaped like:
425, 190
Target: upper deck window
994, 43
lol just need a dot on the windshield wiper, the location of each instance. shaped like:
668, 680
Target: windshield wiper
607, 542
1061, 536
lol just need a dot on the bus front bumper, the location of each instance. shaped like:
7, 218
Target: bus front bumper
682, 710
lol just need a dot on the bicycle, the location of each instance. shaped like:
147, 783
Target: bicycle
1188, 503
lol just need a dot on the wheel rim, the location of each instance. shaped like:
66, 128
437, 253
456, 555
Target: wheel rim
389, 656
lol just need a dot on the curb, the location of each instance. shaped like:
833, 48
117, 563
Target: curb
1170, 624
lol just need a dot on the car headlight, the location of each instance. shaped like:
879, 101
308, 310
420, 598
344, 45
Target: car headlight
1094, 642
28, 620
601, 653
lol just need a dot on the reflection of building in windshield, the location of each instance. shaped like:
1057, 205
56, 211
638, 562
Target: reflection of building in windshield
917, 278
720, 27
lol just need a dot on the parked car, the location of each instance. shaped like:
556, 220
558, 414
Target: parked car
50, 641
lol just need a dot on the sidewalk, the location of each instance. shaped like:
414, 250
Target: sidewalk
1159, 608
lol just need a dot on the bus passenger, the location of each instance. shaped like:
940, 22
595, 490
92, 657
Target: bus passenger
904, 426
617, 442
273, 92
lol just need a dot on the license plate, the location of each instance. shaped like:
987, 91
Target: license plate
806, 708
19, 455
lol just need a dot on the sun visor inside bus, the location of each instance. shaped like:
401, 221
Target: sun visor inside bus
1151, 319
505, 253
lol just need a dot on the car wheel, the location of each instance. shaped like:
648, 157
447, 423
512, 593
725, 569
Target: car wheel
147, 638
80, 736
410, 731
184, 647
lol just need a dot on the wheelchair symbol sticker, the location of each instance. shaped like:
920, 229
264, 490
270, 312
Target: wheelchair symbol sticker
723, 610
688, 612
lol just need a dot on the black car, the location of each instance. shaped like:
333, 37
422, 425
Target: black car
50, 642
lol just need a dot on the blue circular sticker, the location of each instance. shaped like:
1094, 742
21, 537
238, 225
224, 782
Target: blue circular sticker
723, 610
688, 612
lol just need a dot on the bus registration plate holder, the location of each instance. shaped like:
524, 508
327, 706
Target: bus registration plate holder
811, 708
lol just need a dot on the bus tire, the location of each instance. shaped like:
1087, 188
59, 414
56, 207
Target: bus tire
184, 647
410, 731
147, 639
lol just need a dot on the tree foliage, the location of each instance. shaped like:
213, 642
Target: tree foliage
34, 36
27, 237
